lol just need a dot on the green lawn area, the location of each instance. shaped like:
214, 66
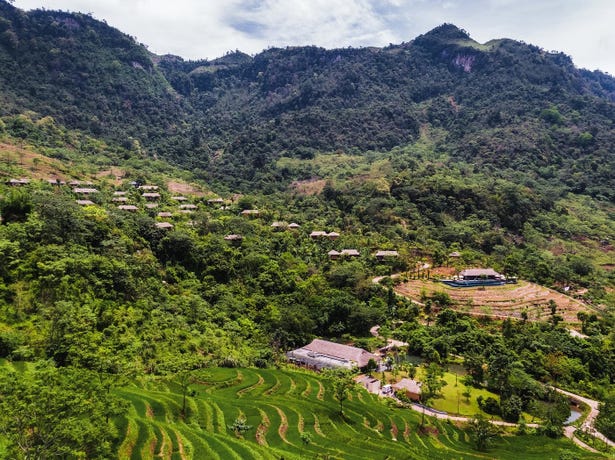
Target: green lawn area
452, 400
452, 396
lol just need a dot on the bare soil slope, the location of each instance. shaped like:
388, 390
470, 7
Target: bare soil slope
500, 301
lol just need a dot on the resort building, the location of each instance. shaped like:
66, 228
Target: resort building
322, 354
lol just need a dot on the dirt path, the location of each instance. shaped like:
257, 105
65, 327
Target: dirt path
568, 430
588, 423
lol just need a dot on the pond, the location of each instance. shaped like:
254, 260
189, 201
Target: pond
575, 414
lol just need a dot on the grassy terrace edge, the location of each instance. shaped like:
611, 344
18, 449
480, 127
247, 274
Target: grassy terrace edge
281, 405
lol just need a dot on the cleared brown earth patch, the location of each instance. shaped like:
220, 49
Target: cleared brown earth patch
113, 174
283, 424
182, 187
308, 187
508, 301
317, 429
263, 428
394, 431
34, 165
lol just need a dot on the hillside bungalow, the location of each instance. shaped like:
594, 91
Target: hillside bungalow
369, 383
480, 274
84, 191
277, 225
84, 202
333, 254
128, 207
165, 214
293, 226
454, 255
151, 196
119, 199
179, 198
349, 253
234, 239
151, 205
190, 207
318, 234
322, 354
214, 201
17, 182
382, 255
77, 183
412, 388
164, 225
333, 235
250, 212
119, 193
56, 182
148, 187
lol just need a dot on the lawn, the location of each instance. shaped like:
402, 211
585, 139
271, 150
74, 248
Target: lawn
453, 402
451, 399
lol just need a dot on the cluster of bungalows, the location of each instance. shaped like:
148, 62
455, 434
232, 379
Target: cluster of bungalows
349, 253
84, 191
352, 253
142, 196
151, 195
277, 225
320, 234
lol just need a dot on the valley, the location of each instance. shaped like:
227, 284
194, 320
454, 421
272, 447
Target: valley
170, 229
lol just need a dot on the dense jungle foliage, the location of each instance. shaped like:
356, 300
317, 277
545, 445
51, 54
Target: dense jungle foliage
500, 152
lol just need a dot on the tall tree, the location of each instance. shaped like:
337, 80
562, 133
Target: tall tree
342, 382
482, 432
48, 412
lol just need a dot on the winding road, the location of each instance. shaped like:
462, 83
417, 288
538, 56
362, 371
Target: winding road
568, 430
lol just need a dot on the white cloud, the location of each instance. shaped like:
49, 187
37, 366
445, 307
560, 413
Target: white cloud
208, 28
328, 23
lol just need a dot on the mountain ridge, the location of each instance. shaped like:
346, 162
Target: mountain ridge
504, 103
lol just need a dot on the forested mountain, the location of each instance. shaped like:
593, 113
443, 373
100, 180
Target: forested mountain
146, 205
499, 105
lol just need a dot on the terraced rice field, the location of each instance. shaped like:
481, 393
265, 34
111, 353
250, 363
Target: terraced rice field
280, 405
501, 301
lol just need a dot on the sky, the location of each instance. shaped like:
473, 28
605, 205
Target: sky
206, 29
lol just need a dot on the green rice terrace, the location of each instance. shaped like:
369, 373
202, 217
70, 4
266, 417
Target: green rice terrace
292, 414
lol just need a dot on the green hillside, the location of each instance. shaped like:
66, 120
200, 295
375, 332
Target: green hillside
164, 220
105, 296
